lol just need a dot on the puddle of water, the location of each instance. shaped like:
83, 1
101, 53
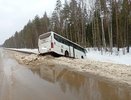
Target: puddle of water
75, 86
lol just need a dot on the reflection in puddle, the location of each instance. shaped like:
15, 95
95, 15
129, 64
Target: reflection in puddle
74, 86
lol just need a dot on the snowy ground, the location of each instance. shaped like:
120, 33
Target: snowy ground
115, 57
92, 54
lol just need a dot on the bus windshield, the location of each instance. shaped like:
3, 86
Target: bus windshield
43, 36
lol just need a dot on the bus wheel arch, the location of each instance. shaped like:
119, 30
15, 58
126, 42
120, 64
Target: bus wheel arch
66, 53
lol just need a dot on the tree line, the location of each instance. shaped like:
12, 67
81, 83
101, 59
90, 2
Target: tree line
102, 24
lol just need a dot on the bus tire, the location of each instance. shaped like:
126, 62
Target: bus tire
82, 57
66, 54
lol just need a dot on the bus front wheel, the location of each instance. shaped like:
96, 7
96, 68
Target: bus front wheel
66, 54
82, 57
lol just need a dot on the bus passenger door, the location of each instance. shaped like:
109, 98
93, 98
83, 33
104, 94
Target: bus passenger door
72, 51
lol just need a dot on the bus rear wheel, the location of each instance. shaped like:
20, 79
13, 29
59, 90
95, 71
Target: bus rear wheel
66, 54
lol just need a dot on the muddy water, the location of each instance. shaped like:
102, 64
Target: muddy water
53, 82
69, 85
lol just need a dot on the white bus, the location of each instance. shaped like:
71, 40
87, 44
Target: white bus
53, 43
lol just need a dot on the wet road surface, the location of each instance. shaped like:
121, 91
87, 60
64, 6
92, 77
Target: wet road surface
54, 83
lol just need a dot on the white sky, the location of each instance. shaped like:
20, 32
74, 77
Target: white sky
14, 14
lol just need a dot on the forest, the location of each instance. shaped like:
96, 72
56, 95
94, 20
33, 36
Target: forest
101, 24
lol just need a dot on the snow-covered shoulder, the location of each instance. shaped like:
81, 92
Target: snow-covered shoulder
26, 50
94, 54
115, 57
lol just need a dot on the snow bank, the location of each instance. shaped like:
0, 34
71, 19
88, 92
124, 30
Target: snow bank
92, 54
115, 57
26, 50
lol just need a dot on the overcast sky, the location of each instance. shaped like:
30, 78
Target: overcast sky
14, 14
